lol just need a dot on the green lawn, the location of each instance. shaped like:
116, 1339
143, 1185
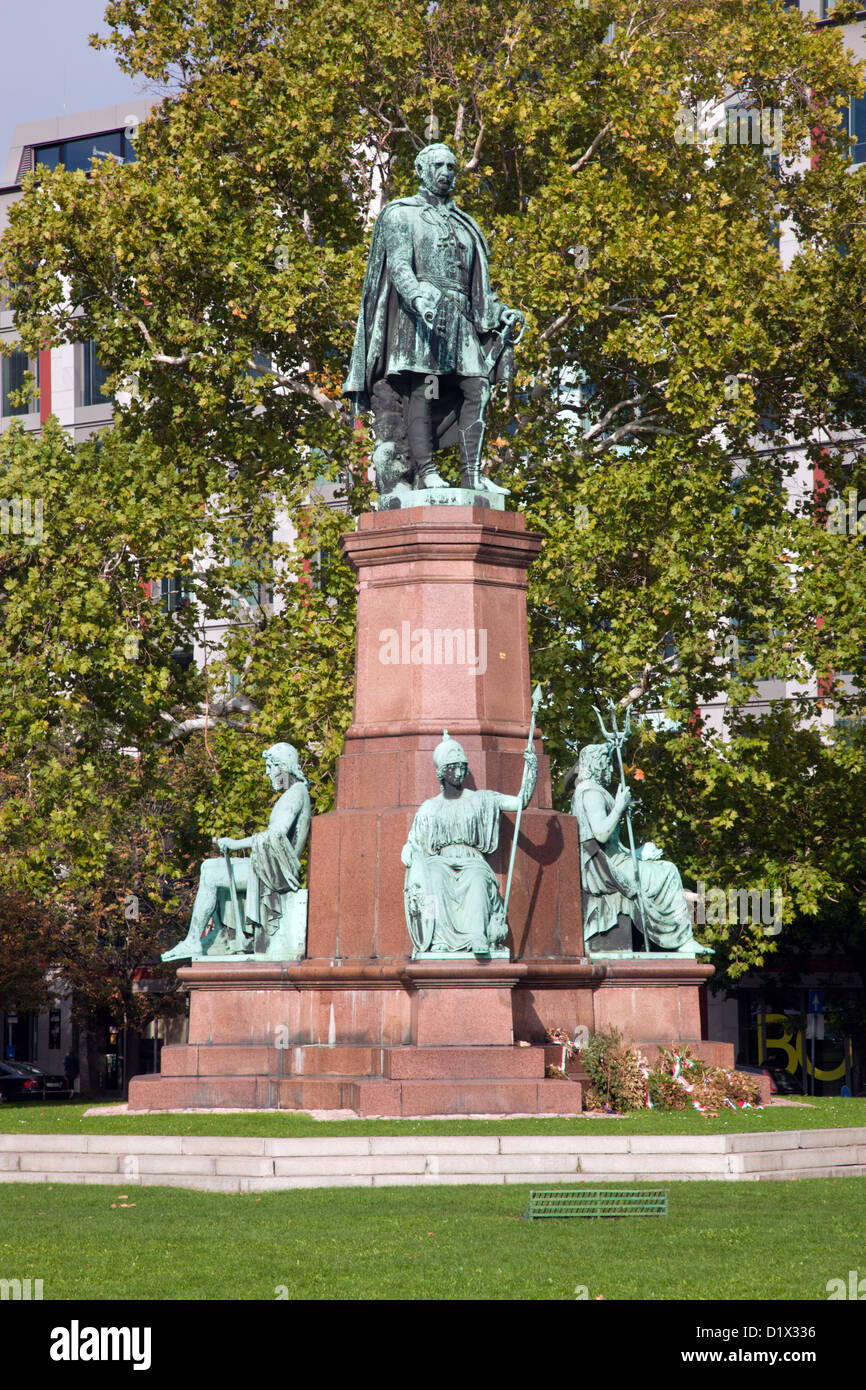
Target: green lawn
720, 1240
67, 1117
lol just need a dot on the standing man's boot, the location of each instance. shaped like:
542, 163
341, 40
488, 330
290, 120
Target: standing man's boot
420, 435
471, 428
426, 476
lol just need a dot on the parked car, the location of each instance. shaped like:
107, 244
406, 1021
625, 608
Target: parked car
25, 1081
784, 1083
11, 1082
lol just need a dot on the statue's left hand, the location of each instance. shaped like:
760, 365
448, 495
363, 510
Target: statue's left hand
224, 843
511, 317
650, 851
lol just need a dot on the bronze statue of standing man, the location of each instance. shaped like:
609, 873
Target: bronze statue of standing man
432, 337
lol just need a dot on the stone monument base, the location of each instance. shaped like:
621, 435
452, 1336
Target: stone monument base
403, 1038
404, 496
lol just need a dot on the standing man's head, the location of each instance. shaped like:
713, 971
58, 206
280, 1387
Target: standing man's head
436, 167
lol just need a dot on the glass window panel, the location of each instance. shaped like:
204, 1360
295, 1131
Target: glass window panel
77, 154
48, 154
174, 594
94, 377
15, 369
857, 128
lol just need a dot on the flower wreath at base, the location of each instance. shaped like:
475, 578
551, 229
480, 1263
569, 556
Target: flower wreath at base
622, 1080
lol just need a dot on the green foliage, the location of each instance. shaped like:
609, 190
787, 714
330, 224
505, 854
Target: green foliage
672, 346
27, 954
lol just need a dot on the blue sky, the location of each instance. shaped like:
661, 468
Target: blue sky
47, 67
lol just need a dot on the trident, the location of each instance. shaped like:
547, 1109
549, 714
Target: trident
615, 738
536, 701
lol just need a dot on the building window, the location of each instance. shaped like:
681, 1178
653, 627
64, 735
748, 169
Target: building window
77, 154
15, 369
93, 376
854, 124
173, 594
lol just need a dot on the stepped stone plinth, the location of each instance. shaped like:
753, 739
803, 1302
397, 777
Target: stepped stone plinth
358, 1024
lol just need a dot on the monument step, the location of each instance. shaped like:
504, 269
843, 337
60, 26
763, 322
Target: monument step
240, 1092
717, 1054
259, 1059
193, 1092
459, 1063
341, 1061
491, 1096
466, 1097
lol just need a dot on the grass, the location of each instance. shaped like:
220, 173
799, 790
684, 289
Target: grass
720, 1241
67, 1117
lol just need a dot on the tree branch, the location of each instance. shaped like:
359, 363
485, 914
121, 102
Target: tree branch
472, 163
160, 356
219, 709
306, 388
599, 425
555, 326
625, 430
587, 154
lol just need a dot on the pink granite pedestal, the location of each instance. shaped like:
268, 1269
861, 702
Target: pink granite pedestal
359, 1024
404, 1038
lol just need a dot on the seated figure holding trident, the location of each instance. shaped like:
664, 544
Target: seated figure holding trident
272, 870
623, 887
451, 893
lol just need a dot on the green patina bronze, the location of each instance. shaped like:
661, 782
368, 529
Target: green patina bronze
432, 337
453, 904
623, 888
256, 907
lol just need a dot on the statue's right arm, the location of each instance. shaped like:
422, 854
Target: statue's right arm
410, 851
291, 816
602, 822
397, 235
301, 828
413, 846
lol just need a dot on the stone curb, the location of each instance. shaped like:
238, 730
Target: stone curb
244, 1165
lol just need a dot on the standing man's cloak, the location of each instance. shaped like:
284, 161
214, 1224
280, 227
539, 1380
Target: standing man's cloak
386, 324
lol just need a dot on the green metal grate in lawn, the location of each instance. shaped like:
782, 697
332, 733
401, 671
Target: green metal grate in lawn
610, 1201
